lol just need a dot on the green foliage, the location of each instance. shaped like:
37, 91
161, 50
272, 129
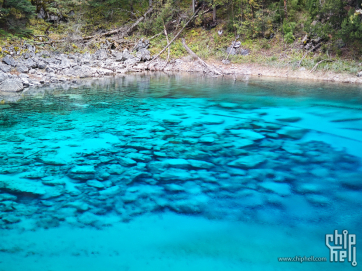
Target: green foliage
14, 14
288, 28
351, 28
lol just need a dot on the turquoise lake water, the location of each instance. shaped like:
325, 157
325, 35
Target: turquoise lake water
179, 172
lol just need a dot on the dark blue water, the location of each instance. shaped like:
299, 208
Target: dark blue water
179, 172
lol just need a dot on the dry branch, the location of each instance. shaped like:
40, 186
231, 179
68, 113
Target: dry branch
199, 59
316, 65
300, 62
168, 45
109, 33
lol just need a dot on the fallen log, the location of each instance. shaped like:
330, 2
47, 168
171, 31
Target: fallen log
203, 63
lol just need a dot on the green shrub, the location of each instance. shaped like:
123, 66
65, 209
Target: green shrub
288, 28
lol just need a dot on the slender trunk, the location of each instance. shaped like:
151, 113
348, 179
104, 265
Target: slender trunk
131, 6
285, 9
214, 12
241, 11
150, 3
193, 6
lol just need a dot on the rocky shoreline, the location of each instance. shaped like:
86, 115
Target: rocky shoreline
43, 68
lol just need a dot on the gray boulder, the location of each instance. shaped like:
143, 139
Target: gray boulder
9, 61
100, 55
5, 67
142, 44
231, 51
22, 68
359, 74
3, 76
11, 85
30, 63
144, 55
41, 65
126, 55
119, 57
131, 61
237, 51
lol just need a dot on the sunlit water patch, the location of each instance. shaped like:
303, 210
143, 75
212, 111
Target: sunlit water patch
175, 172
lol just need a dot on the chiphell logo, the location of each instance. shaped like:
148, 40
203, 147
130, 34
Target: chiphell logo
342, 246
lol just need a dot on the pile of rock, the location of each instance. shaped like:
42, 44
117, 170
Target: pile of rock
311, 44
235, 49
35, 69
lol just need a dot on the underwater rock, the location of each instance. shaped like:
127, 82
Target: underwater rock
115, 169
242, 143
206, 139
172, 121
193, 205
34, 175
212, 121
351, 180
139, 157
249, 161
23, 186
320, 172
114, 190
175, 174
318, 200
290, 132
309, 188
228, 105
55, 161
206, 176
200, 164
10, 219
5, 196
96, 184
236, 171
261, 174
282, 189
88, 219
175, 163
80, 206
292, 148
248, 134
174, 188
127, 162
289, 119
191, 134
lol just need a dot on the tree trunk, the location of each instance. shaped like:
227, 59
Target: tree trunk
193, 6
214, 12
285, 9
150, 3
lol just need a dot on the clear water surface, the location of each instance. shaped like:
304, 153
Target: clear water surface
178, 172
